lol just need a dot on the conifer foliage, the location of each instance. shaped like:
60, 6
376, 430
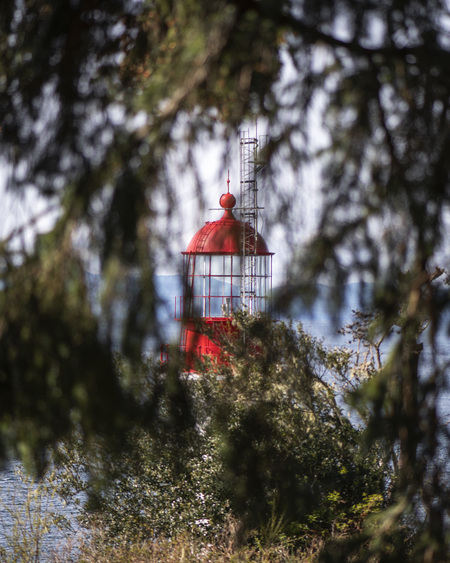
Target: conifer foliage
96, 95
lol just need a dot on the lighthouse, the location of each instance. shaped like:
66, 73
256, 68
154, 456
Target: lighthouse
227, 267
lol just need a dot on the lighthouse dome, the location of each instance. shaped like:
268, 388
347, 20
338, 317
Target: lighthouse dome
225, 236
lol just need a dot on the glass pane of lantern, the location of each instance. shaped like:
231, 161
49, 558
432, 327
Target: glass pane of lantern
198, 285
236, 265
226, 307
227, 265
216, 265
236, 287
262, 266
188, 262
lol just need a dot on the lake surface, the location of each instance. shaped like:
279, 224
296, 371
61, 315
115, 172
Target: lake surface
34, 519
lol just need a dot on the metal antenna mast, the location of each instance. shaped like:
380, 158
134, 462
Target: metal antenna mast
250, 164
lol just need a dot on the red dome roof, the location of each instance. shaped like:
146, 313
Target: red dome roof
225, 235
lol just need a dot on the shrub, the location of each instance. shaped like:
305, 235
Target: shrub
261, 439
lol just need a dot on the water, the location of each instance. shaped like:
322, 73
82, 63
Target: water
34, 521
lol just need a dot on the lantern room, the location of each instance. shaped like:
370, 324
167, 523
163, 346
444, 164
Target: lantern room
226, 267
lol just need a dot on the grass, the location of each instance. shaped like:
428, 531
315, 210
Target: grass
188, 550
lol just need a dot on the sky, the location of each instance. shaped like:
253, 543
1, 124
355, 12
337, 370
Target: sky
22, 217
31, 214
302, 186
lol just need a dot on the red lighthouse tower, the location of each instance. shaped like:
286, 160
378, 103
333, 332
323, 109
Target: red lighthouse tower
226, 267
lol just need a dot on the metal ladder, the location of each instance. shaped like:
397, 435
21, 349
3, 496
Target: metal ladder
250, 164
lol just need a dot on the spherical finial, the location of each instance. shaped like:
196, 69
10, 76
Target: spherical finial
227, 201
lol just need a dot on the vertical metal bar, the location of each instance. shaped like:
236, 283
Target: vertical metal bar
249, 217
204, 287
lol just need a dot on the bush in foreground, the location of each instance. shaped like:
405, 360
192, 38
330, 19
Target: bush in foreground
261, 440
